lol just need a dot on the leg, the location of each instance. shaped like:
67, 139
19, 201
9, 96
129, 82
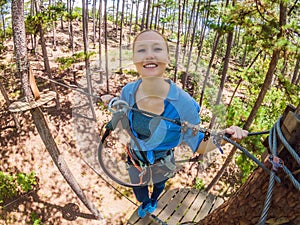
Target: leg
141, 192
158, 189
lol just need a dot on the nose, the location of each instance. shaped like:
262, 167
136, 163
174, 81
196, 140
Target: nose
149, 54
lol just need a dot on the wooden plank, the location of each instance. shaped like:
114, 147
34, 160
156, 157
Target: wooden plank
162, 203
217, 203
146, 220
206, 207
185, 205
133, 219
164, 199
173, 204
192, 212
180, 205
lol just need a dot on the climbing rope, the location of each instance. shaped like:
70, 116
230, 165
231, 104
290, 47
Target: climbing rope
267, 204
277, 163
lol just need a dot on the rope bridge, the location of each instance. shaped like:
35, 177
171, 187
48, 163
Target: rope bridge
190, 205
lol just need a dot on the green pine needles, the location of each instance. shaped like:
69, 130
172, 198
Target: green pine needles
13, 185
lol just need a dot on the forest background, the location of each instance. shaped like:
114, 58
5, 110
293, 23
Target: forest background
236, 58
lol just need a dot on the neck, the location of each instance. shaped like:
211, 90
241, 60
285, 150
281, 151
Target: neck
154, 86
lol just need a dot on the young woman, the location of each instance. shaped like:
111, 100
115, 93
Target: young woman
158, 137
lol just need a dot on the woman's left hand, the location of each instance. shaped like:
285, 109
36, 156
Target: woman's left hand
236, 132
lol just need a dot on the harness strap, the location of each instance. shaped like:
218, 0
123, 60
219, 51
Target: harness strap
133, 161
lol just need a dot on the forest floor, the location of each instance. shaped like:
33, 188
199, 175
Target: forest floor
23, 151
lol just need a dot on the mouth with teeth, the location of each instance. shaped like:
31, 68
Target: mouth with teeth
150, 65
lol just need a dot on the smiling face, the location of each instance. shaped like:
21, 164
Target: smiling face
150, 54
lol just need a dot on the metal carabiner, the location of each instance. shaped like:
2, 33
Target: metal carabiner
116, 104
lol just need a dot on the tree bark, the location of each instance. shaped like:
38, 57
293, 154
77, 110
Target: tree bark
246, 205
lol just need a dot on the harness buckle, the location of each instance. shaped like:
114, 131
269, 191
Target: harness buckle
143, 172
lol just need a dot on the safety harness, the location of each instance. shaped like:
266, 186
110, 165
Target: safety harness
120, 109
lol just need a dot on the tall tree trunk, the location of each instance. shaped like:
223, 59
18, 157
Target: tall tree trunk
213, 53
70, 22
191, 45
246, 205
85, 18
61, 19
3, 22
202, 35
164, 24
152, 15
148, 14
223, 77
130, 23
144, 15
121, 36
187, 31
296, 71
178, 41
54, 36
137, 15
106, 46
157, 15
94, 23
20, 46
45, 55
117, 17
100, 43
37, 115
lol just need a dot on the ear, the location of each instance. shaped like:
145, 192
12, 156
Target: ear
169, 60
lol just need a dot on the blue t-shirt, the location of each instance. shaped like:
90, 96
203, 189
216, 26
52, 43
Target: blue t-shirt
166, 135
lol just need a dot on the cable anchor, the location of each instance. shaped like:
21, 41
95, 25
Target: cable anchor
276, 162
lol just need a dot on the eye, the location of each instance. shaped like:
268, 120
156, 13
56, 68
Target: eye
157, 49
141, 50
